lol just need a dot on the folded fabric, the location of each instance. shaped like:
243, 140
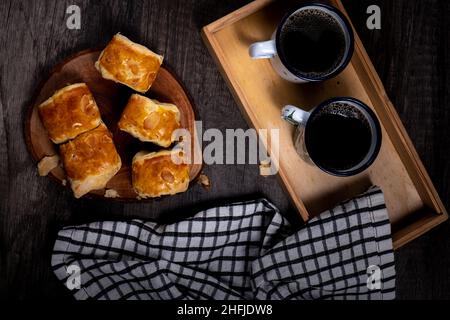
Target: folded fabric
245, 250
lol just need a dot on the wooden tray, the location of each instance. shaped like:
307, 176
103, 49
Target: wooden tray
111, 99
413, 204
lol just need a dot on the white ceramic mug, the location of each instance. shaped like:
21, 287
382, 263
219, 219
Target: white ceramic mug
270, 49
302, 120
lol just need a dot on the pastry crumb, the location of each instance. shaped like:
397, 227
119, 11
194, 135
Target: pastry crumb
111, 193
203, 180
47, 164
64, 182
264, 168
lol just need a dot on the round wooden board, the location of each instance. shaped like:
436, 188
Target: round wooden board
111, 99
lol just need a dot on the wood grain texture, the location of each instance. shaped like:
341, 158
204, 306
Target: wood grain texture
410, 52
111, 99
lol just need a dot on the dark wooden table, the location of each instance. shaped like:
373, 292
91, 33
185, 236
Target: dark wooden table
411, 52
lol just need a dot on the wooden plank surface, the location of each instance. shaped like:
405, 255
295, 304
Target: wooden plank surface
410, 52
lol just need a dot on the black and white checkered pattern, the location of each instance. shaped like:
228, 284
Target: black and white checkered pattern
245, 250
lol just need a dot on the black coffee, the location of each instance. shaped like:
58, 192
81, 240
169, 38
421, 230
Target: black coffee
312, 42
338, 137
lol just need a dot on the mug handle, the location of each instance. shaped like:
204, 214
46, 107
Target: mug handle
294, 115
263, 50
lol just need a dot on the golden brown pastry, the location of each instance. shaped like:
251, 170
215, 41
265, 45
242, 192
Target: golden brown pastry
155, 174
150, 120
69, 112
90, 160
129, 63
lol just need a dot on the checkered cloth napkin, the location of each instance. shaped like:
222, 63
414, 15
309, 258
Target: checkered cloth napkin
245, 250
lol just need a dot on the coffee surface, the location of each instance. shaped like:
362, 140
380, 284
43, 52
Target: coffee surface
338, 137
313, 42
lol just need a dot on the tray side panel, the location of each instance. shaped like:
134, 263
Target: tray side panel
393, 125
